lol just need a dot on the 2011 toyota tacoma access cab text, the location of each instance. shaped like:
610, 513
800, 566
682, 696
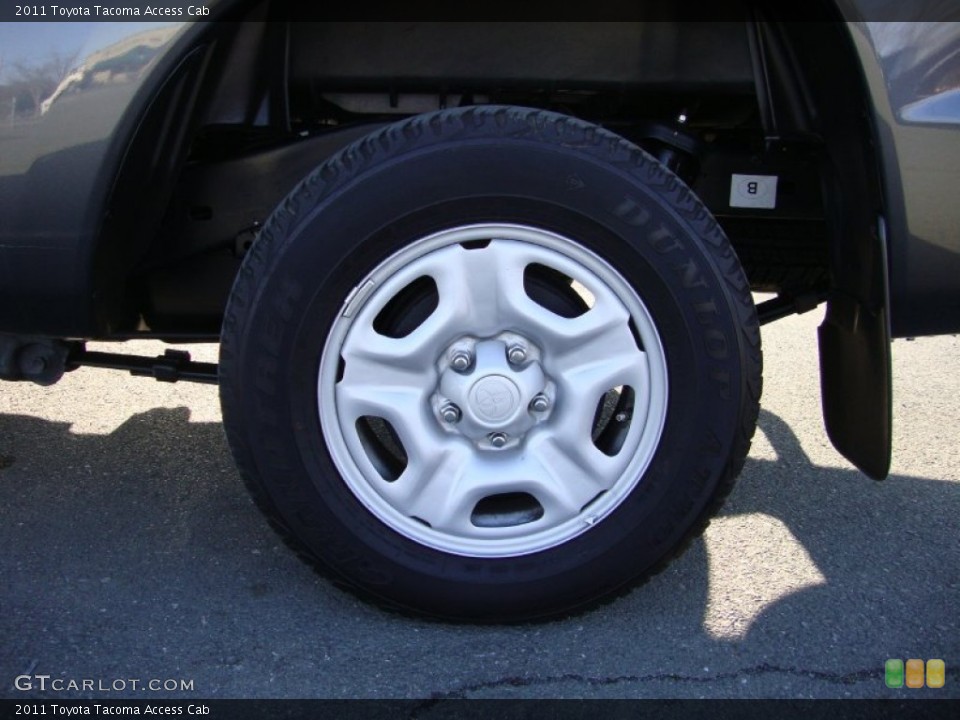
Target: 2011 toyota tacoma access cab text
484, 291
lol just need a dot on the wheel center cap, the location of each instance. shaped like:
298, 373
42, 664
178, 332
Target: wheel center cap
494, 398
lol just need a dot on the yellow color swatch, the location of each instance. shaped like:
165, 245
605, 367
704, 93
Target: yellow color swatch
936, 673
914, 674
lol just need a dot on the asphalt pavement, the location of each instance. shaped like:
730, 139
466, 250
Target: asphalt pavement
132, 553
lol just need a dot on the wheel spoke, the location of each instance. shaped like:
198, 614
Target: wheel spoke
588, 378
374, 380
568, 476
601, 330
441, 490
370, 388
482, 289
412, 356
397, 404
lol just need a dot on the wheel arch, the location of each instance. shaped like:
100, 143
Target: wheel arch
856, 332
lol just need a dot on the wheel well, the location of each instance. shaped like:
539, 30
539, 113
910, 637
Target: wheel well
710, 100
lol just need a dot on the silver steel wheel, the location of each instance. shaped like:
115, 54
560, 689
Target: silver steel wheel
492, 390
475, 423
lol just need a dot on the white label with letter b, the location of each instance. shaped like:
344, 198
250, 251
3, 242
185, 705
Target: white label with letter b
753, 191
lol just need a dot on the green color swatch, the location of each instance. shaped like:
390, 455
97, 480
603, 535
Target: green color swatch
893, 670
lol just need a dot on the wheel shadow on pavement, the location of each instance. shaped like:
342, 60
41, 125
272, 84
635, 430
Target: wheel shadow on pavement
808, 579
139, 551
882, 567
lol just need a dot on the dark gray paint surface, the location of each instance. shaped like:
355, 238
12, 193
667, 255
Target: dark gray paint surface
56, 169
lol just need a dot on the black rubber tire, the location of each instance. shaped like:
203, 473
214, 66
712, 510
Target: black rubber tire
473, 165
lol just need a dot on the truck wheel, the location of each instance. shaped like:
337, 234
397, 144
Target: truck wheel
490, 364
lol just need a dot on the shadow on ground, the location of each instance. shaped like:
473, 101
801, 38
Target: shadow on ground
137, 555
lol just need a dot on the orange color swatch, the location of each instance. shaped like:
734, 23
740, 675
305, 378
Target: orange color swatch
914, 673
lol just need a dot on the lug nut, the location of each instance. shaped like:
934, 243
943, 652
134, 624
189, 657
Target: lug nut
498, 440
450, 413
540, 403
461, 361
516, 354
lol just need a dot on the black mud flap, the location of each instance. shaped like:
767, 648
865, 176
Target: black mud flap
855, 381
